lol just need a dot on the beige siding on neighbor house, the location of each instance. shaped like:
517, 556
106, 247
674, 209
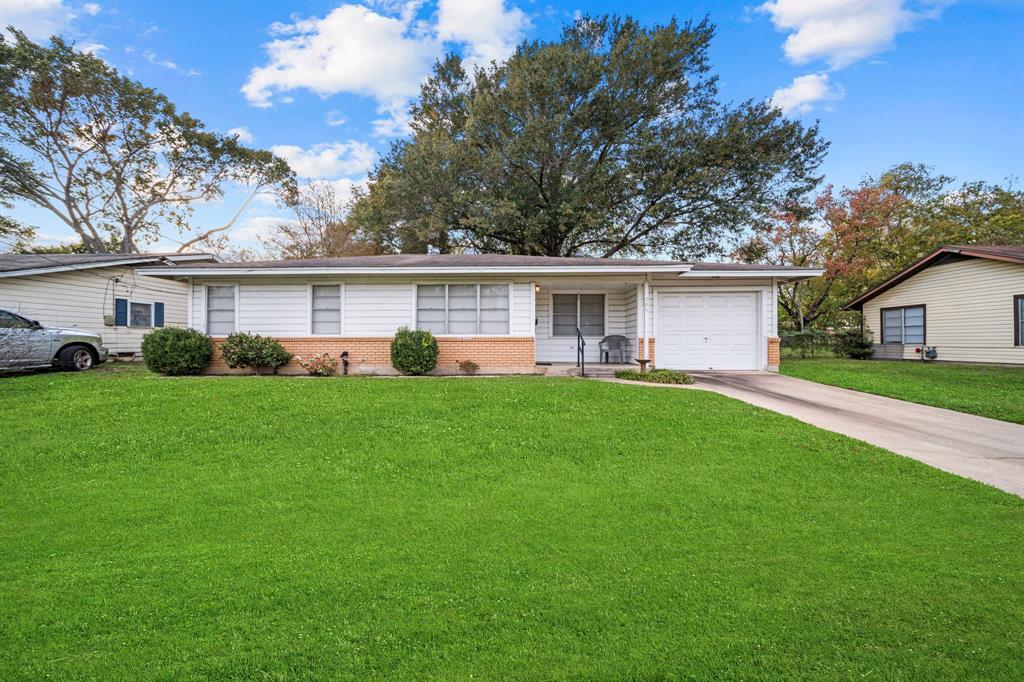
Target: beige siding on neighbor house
81, 298
968, 310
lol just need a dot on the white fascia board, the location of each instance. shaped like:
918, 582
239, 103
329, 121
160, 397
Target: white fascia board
384, 271
77, 266
788, 275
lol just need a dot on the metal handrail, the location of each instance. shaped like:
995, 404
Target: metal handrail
581, 360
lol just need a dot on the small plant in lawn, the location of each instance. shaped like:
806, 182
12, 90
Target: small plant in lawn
320, 365
413, 351
254, 352
469, 367
656, 376
174, 352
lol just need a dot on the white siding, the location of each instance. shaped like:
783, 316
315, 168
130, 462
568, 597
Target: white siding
378, 309
81, 298
968, 310
370, 307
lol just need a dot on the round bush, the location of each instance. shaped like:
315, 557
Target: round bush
414, 351
175, 351
254, 352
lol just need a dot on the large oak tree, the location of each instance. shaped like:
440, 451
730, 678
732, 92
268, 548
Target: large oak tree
609, 141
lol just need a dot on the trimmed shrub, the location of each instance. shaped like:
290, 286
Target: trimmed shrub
853, 344
176, 352
413, 351
254, 352
656, 376
320, 365
469, 367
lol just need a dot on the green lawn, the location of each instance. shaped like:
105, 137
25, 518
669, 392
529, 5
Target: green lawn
986, 390
280, 528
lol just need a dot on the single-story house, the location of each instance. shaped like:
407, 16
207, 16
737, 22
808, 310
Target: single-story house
102, 293
508, 314
964, 302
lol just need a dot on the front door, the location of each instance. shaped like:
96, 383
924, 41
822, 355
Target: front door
707, 331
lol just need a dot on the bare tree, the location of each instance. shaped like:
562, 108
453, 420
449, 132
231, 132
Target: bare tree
321, 228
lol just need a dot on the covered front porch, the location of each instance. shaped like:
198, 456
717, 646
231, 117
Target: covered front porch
599, 308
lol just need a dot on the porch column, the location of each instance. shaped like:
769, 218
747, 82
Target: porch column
647, 292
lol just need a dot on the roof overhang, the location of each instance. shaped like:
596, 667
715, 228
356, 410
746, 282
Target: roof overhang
785, 275
929, 260
180, 271
127, 260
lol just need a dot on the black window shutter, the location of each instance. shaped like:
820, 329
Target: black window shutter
121, 312
158, 314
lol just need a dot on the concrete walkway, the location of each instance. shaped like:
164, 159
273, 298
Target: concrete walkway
983, 449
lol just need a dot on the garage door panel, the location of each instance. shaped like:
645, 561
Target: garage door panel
707, 331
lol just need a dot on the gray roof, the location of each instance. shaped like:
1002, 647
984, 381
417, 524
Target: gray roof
477, 261
21, 262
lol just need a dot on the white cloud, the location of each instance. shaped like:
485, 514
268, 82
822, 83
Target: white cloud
489, 31
91, 48
151, 57
842, 31
243, 134
335, 119
804, 92
328, 160
38, 19
259, 226
91, 8
382, 53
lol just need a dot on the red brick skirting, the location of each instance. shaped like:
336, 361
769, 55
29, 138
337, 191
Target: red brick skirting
773, 353
372, 354
650, 349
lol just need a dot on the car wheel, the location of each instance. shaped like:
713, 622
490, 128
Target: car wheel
76, 358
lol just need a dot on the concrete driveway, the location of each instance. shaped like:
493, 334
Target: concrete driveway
986, 450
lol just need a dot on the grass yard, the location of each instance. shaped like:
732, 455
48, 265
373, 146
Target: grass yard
454, 528
986, 390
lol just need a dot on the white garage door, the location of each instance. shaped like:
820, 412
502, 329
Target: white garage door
707, 331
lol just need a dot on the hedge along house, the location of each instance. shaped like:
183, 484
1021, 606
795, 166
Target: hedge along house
102, 293
966, 303
508, 314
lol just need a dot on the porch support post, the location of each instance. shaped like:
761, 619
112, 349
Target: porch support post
647, 293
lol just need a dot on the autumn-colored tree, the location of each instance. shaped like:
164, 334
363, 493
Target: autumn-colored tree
839, 233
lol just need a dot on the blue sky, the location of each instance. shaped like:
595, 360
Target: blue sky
326, 84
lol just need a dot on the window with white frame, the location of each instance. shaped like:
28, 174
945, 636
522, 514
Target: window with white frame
463, 308
325, 316
140, 314
570, 312
903, 325
220, 309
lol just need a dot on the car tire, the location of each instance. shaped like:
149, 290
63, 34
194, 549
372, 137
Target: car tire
77, 358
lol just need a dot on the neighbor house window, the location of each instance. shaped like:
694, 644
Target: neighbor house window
326, 312
903, 325
137, 314
1018, 320
220, 310
140, 314
582, 311
463, 308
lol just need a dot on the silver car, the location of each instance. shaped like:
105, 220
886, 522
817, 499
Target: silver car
26, 344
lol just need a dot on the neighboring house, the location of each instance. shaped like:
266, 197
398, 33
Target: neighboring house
967, 302
103, 293
508, 314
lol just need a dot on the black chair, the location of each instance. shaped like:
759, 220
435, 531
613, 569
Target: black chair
610, 345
